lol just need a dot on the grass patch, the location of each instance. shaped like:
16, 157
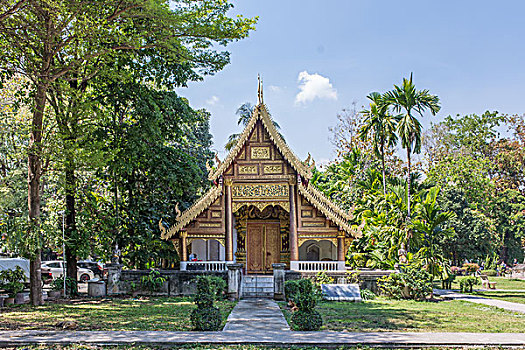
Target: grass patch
154, 314
382, 315
221, 347
501, 283
514, 297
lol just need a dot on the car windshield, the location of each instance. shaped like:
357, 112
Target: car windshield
53, 264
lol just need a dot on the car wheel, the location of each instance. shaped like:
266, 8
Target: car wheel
84, 278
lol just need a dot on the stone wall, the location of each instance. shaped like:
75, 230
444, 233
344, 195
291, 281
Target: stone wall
177, 282
367, 278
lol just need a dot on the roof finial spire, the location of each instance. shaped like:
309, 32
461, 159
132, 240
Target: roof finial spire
259, 90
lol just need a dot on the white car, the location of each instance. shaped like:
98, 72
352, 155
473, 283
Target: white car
57, 270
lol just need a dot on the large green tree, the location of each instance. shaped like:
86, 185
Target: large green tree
410, 101
380, 126
50, 41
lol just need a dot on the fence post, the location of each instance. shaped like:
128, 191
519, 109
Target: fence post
278, 281
113, 285
234, 281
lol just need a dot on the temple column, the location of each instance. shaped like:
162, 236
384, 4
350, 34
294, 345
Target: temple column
228, 242
184, 249
340, 247
294, 244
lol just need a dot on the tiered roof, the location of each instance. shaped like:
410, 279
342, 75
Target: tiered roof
315, 197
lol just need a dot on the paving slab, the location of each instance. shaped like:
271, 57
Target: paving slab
259, 315
507, 305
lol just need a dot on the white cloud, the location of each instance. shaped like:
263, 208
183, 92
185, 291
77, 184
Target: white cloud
314, 86
212, 101
274, 88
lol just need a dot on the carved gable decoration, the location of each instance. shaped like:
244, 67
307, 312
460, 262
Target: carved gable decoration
260, 169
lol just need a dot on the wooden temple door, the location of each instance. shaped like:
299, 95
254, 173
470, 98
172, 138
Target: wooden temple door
263, 247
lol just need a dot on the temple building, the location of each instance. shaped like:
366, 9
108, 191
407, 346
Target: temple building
261, 210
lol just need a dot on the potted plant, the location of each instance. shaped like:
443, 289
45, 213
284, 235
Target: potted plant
11, 281
57, 288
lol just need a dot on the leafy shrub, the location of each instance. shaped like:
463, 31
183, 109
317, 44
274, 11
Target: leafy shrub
322, 278
490, 272
446, 283
352, 277
71, 285
12, 281
466, 283
291, 288
367, 294
218, 286
152, 282
306, 320
305, 296
206, 317
413, 284
458, 271
471, 267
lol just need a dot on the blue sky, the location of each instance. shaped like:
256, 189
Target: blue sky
469, 53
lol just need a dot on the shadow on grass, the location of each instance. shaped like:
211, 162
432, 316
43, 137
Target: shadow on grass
378, 316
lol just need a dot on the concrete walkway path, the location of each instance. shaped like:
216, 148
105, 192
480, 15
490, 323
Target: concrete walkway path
268, 338
256, 315
260, 322
507, 305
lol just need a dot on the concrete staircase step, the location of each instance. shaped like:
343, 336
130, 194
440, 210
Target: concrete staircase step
257, 287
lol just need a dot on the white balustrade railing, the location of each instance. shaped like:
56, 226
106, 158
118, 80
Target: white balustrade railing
203, 266
316, 266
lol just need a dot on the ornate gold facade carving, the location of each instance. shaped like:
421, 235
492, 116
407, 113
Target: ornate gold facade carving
247, 169
306, 214
313, 224
219, 239
210, 224
273, 169
261, 205
260, 152
176, 245
246, 191
216, 214
316, 238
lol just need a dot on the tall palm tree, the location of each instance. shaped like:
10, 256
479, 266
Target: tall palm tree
244, 112
407, 99
380, 125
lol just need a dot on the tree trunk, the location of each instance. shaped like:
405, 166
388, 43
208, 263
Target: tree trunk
383, 165
409, 189
409, 182
34, 172
71, 258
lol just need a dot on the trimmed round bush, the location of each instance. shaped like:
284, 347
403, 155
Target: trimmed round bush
489, 272
206, 319
307, 320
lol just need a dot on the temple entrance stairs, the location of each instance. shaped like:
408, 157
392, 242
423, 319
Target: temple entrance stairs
255, 286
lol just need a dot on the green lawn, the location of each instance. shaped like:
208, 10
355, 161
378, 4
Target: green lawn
514, 297
169, 314
403, 315
501, 283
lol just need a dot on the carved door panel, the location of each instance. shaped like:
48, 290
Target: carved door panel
273, 249
263, 247
254, 243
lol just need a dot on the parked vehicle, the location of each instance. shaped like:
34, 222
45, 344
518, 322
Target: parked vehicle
47, 276
94, 266
57, 270
12, 263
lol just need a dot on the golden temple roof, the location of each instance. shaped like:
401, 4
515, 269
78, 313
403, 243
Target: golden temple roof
325, 206
260, 112
192, 212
